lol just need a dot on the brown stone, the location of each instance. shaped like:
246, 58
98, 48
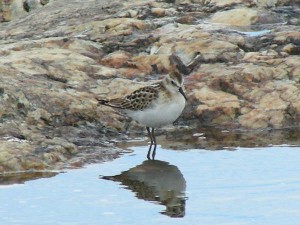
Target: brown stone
255, 119
115, 59
237, 17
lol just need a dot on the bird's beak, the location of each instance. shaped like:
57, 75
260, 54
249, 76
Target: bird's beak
182, 92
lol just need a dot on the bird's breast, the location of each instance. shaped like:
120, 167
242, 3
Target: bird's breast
160, 113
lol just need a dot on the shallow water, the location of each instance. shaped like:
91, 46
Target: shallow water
240, 186
255, 33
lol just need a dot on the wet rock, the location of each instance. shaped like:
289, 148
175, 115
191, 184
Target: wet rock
15, 155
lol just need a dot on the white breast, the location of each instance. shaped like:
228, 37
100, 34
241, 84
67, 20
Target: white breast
160, 114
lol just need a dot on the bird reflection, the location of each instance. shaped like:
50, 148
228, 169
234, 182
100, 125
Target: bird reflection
159, 181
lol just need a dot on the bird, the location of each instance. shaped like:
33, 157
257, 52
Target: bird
154, 105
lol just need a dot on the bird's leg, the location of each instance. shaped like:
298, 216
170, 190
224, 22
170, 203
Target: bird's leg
128, 123
151, 139
154, 141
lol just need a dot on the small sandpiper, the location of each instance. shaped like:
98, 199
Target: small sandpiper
154, 105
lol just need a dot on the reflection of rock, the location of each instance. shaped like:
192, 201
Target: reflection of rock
22, 177
156, 180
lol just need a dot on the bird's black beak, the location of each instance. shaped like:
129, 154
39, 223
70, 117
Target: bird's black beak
182, 92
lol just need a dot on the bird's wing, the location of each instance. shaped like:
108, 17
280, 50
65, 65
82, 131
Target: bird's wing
137, 100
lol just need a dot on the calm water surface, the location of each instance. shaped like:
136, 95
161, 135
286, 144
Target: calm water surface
244, 186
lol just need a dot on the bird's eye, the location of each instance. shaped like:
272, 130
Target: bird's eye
173, 82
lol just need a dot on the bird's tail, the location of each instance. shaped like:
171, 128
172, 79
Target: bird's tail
114, 103
102, 101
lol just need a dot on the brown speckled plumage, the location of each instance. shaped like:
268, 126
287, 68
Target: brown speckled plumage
138, 100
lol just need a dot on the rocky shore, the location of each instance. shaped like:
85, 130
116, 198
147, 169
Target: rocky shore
56, 56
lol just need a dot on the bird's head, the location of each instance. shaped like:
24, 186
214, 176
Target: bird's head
174, 83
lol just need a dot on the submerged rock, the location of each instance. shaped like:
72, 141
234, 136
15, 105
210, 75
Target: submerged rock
55, 59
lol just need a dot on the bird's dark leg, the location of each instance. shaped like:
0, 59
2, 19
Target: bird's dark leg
151, 139
154, 141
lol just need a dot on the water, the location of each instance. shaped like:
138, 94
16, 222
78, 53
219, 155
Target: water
240, 186
256, 33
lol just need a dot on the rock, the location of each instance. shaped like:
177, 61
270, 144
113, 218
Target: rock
225, 3
255, 119
144, 62
291, 49
267, 3
217, 107
51, 75
186, 20
44, 2
15, 155
272, 101
159, 12
13, 9
286, 36
30, 5
237, 17
293, 64
115, 59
